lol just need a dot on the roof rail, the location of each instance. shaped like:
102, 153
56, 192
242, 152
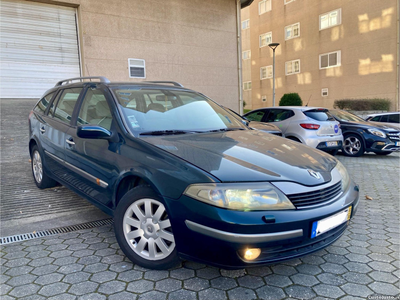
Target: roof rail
101, 78
170, 82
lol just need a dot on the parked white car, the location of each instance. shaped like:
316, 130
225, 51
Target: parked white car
392, 119
313, 126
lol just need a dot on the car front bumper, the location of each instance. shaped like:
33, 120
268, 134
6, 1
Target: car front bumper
220, 237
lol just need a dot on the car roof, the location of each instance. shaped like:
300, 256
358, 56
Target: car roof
384, 114
301, 108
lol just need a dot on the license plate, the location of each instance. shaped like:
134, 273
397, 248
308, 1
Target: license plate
397, 143
331, 144
324, 225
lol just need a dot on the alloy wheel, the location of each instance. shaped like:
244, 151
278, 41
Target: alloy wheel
352, 145
147, 229
37, 166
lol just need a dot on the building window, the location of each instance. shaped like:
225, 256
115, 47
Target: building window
137, 68
265, 39
292, 31
287, 1
264, 98
265, 72
329, 60
246, 54
247, 85
330, 19
292, 67
264, 6
245, 24
324, 92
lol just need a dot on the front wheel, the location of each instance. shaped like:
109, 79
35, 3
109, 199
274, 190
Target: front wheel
41, 179
143, 229
353, 145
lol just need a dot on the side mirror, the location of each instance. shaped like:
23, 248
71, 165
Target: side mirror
93, 132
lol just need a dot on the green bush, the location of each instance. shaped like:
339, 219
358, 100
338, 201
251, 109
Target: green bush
291, 99
363, 104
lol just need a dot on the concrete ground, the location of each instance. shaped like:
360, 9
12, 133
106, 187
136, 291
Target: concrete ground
88, 264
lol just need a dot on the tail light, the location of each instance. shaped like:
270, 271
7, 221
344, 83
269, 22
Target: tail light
30, 114
309, 126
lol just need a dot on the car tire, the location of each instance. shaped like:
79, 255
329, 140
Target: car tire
332, 152
383, 153
41, 179
143, 229
294, 139
353, 145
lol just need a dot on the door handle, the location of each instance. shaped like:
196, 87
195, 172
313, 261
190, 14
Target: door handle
70, 142
42, 130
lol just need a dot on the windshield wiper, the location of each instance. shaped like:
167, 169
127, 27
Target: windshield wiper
166, 132
225, 129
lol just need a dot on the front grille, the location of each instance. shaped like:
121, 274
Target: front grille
316, 197
395, 136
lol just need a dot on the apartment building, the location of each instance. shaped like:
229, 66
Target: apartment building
328, 50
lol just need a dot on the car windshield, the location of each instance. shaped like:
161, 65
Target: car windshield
343, 115
169, 111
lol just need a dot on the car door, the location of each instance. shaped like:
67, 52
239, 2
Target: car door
93, 161
279, 117
56, 124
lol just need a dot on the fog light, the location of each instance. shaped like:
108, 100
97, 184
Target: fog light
252, 254
380, 143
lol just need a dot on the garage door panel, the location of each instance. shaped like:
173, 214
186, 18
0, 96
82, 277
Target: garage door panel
39, 46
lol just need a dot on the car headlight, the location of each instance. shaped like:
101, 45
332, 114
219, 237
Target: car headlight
377, 132
345, 176
240, 196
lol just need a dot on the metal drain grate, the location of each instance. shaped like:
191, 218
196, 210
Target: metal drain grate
43, 233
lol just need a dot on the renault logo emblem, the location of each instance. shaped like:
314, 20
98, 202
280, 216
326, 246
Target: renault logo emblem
314, 174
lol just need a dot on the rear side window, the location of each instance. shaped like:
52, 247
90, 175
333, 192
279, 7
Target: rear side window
43, 103
319, 115
393, 118
277, 115
256, 116
66, 104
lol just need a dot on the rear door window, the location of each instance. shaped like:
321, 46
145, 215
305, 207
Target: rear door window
256, 116
43, 103
319, 115
278, 115
375, 119
66, 103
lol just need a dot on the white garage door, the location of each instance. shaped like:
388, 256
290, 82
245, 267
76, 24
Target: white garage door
39, 46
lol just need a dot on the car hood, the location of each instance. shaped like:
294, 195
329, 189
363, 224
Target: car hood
368, 124
249, 155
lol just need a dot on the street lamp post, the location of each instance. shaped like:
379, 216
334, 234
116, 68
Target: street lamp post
273, 46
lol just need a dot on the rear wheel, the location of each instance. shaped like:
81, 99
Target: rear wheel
143, 229
353, 145
41, 179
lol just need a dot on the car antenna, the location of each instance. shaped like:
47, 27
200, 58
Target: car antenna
87, 69
308, 100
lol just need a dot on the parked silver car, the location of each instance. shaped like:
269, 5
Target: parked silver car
313, 126
392, 118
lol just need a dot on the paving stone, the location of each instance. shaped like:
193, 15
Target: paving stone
233, 273
49, 278
112, 287
156, 275
47, 269
302, 292
14, 255
313, 260
381, 266
333, 268
32, 297
383, 276
270, 293
140, 286
335, 258
41, 261
83, 253
303, 279
92, 296
83, 288
4, 278
357, 290
278, 280
223, 283
121, 266
183, 273
70, 269
196, 284
57, 247
21, 280
153, 295
331, 279
88, 260
308, 269
193, 265
63, 261
241, 293
259, 271
76, 277
330, 291
112, 259
383, 288
53, 289
250, 281
168, 285
357, 278
95, 268
123, 296
130, 275
283, 270
103, 276
211, 293
17, 262
24, 290
5, 288
358, 258
77, 247
182, 295
38, 254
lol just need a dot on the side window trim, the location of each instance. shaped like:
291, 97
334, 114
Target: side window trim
265, 116
59, 95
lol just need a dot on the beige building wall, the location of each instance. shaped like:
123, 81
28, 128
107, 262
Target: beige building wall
191, 42
367, 38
